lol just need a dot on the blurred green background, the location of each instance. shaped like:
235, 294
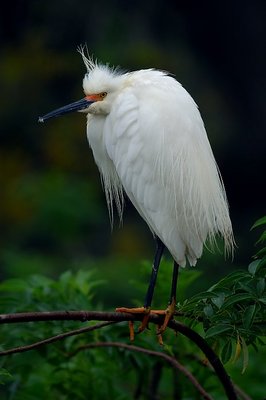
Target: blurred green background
52, 213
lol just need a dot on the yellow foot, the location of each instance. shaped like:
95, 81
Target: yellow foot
169, 313
159, 335
137, 310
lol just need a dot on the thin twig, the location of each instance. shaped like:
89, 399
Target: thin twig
55, 338
169, 359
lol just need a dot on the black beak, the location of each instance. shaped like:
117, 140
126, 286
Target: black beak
76, 106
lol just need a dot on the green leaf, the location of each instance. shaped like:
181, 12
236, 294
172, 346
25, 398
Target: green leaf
245, 354
262, 263
261, 252
262, 238
260, 286
218, 301
229, 279
203, 296
249, 315
208, 310
237, 349
13, 285
248, 288
169, 349
259, 222
3, 375
226, 352
236, 298
262, 300
217, 330
252, 268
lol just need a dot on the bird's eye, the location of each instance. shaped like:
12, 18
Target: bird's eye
103, 95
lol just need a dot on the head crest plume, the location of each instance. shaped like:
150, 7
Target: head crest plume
88, 60
92, 63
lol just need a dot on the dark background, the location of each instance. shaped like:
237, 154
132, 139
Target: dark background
52, 211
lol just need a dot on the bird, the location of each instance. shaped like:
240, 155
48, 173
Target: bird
149, 142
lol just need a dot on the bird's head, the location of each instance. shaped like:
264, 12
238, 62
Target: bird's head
101, 85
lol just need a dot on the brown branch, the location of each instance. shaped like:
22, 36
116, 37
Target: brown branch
169, 359
116, 317
64, 316
209, 353
55, 338
238, 390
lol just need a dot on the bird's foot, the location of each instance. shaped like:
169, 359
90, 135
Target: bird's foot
168, 313
137, 310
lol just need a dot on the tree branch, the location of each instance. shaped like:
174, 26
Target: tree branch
65, 316
169, 359
55, 338
238, 390
118, 317
209, 353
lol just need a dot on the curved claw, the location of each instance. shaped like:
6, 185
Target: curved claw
159, 335
131, 331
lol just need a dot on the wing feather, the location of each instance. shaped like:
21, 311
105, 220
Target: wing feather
157, 142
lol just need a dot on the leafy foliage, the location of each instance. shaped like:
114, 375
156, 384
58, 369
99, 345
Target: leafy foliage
232, 311
231, 315
51, 209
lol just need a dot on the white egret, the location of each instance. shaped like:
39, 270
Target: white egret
149, 141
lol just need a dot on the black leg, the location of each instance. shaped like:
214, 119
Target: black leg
155, 269
172, 302
174, 283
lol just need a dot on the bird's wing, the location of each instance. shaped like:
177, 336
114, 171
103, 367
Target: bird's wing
158, 144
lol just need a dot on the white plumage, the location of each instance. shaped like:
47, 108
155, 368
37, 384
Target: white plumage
148, 140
